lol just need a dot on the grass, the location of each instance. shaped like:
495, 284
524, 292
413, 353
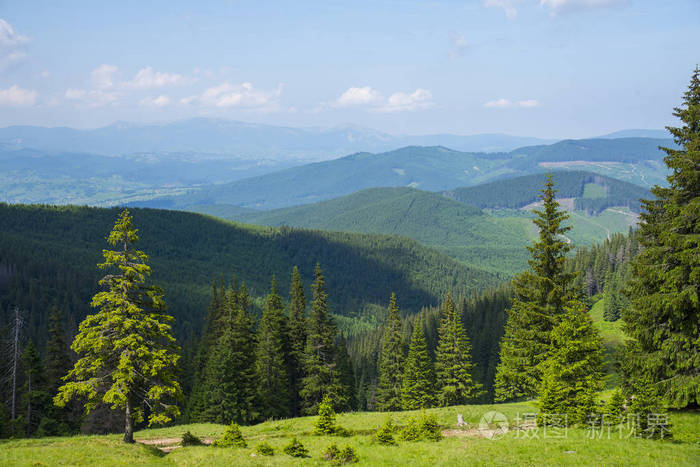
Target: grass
539, 448
613, 339
594, 191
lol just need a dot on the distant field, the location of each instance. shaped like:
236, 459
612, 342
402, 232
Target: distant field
462, 446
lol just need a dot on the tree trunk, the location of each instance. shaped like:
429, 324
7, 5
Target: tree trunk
129, 426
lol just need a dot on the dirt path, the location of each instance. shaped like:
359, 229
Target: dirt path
168, 444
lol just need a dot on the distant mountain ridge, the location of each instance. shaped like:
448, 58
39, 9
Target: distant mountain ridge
636, 160
241, 139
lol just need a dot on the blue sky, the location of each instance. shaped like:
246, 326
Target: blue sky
550, 68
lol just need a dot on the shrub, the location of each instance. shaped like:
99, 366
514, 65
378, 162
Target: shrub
385, 434
338, 457
188, 439
325, 424
264, 449
296, 449
425, 427
233, 438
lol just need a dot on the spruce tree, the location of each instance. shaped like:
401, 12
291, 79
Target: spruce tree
57, 421
346, 376
572, 373
391, 361
272, 359
664, 289
418, 385
453, 362
36, 397
320, 375
541, 294
229, 387
128, 356
297, 337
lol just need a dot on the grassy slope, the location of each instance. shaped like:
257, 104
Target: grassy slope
461, 231
512, 449
613, 338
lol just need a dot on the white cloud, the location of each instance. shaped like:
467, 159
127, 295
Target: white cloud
147, 78
403, 102
562, 5
359, 96
103, 76
529, 103
11, 45
505, 103
243, 95
508, 6
93, 97
160, 101
16, 96
458, 42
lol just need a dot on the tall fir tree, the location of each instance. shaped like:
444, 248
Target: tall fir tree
36, 397
297, 338
346, 376
453, 361
57, 421
320, 373
541, 294
391, 361
418, 385
229, 388
573, 371
664, 289
271, 361
128, 356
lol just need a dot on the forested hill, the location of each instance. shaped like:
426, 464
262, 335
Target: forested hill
592, 192
433, 168
48, 255
463, 232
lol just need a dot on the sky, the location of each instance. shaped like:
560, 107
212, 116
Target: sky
547, 68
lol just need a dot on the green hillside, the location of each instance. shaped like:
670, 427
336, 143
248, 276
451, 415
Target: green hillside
432, 168
48, 255
461, 231
471, 444
593, 192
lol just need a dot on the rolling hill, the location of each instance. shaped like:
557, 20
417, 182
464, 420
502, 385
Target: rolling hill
48, 256
636, 160
461, 231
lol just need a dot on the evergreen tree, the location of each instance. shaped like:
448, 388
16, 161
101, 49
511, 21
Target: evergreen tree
128, 356
320, 375
572, 373
36, 397
57, 421
391, 361
229, 386
663, 316
297, 338
453, 363
418, 385
346, 376
613, 302
272, 359
540, 297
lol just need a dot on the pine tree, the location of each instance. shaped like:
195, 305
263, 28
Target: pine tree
346, 376
272, 359
56, 421
320, 375
540, 297
391, 361
128, 355
418, 385
297, 338
664, 289
229, 387
453, 363
613, 303
572, 373
36, 397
